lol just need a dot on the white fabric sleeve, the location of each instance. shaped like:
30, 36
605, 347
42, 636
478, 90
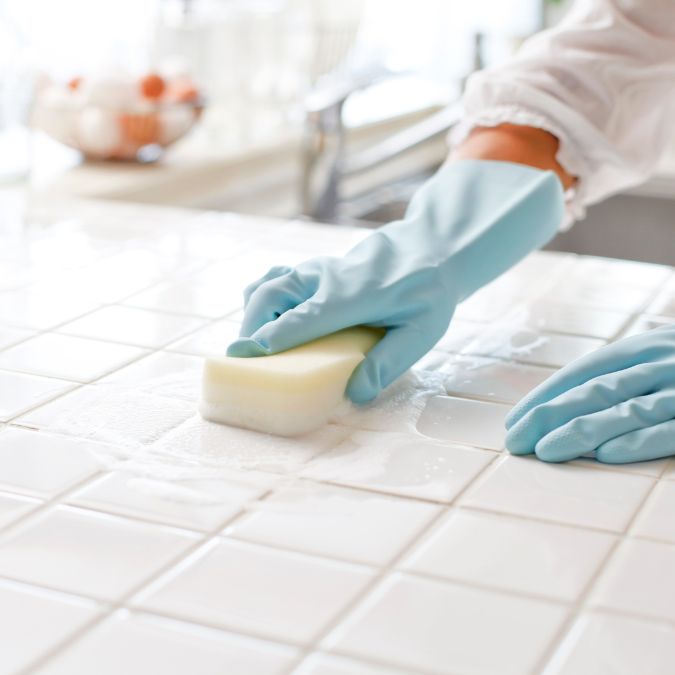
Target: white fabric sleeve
602, 82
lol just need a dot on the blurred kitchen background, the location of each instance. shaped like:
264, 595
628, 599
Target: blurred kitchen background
332, 111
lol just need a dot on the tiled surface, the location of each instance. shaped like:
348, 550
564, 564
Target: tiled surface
398, 540
637, 580
564, 493
336, 522
492, 378
66, 357
41, 464
33, 621
476, 423
139, 645
511, 554
459, 625
13, 507
620, 645
20, 392
86, 553
140, 327
243, 587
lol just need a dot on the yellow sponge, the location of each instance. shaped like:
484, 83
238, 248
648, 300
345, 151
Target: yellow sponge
289, 393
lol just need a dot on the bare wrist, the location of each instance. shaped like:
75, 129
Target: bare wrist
515, 143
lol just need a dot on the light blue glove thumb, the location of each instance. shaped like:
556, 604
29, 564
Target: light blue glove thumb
618, 402
469, 223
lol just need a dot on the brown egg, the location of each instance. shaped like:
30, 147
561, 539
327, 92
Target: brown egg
182, 90
152, 86
140, 129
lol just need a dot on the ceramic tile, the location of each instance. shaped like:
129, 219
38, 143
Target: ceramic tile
669, 472
400, 464
437, 627
560, 492
244, 587
512, 554
664, 303
529, 346
139, 645
33, 622
86, 553
459, 335
600, 293
336, 522
561, 317
326, 664
13, 507
43, 465
653, 467
621, 272
219, 446
234, 275
162, 374
646, 322
10, 336
202, 505
206, 300
433, 360
15, 275
66, 357
19, 392
605, 643
214, 339
492, 379
113, 414
140, 327
486, 305
636, 580
477, 423
656, 520
44, 306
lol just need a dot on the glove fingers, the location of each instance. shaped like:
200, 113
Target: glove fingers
589, 432
307, 321
271, 299
617, 357
272, 273
590, 397
639, 446
386, 361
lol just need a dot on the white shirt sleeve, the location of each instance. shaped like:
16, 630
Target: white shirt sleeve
602, 81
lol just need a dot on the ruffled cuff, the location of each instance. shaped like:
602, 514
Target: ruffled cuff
567, 156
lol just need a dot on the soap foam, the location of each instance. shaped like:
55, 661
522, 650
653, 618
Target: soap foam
398, 407
160, 440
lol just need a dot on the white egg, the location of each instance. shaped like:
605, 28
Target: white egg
111, 91
98, 132
174, 67
174, 122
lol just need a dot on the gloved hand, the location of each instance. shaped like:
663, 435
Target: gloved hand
618, 401
469, 223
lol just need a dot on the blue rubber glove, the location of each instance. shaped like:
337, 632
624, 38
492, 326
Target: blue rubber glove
469, 223
618, 401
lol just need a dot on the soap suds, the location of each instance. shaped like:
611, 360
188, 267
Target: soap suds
510, 338
398, 407
151, 432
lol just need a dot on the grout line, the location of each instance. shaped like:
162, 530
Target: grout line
383, 572
293, 476
201, 539
8, 530
584, 597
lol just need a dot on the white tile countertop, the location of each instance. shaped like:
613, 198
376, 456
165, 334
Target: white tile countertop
401, 539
